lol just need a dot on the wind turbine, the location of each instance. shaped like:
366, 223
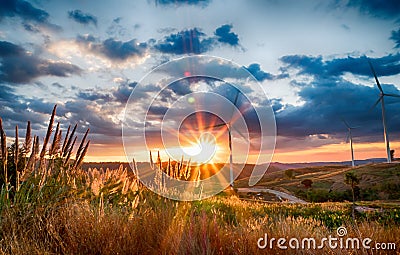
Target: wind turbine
229, 127
350, 138
382, 100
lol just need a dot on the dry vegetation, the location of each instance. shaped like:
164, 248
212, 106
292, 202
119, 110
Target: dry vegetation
58, 208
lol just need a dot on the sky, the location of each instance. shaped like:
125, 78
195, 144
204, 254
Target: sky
309, 57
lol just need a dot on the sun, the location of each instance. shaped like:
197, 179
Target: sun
203, 150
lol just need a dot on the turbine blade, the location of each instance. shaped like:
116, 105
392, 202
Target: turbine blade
392, 95
236, 98
345, 123
244, 137
377, 102
215, 126
376, 78
347, 137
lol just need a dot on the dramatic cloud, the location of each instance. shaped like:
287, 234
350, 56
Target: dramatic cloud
396, 38
96, 116
260, 75
328, 98
26, 11
326, 102
381, 9
316, 66
120, 94
21, 66
93, 95
185, 42
123, 91
194, 41
16, 109
181, 87
224, 35
83, 18
157, 110
113, 49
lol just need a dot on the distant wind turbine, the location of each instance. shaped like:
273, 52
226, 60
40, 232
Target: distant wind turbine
350, 138
381, 99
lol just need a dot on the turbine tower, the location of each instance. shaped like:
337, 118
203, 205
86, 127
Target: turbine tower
350, 139
229, 127
382, 100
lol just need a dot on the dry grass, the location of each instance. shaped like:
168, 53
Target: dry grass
156, 225
61, 209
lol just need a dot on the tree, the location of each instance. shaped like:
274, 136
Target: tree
392, 155
307, 183
350, 178
289, 173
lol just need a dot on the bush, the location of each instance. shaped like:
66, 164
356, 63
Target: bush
307, 183
290, 174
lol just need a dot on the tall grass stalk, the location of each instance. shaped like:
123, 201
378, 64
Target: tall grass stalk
47, 137
4, 155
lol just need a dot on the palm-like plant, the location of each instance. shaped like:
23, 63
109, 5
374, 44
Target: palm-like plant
350, 178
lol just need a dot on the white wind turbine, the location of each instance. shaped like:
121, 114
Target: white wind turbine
229, 127
350, 139
381, 99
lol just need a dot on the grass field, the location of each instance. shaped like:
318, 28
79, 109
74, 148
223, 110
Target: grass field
107, 212
50, 205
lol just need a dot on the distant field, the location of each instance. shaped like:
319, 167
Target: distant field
378, 182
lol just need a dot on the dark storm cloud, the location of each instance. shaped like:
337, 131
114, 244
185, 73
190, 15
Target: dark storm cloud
396, 38
185, 42
99, 121
225, 35
31, 27
276, 104
83, 18
329, 97
181, 87
260, 75
326, 102
7, 94
23, 9
19, 66
17, 110
123, 91
93, 95
14, 110
194, 41
120, 94
377, 8
316, 66
111, 48
26, 11
201, 3
9, 49
157, 110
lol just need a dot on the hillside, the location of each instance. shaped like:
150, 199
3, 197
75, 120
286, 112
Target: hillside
377, 182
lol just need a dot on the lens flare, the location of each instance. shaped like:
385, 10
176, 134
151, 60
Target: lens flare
203, 150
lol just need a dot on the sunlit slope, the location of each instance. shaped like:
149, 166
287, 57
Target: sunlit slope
381, 179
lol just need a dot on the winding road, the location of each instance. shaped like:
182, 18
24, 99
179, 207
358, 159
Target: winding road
279, 194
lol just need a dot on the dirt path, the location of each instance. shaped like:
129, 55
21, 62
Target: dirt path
279, 194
